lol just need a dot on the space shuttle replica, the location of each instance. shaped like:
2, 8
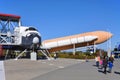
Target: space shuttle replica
14, 36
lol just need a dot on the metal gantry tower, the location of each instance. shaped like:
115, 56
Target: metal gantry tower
8, 23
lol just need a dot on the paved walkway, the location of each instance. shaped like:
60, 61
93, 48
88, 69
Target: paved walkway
83, 71
2, 71
60, 69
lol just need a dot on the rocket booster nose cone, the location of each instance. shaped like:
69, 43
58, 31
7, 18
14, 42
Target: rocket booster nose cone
103, 36
110, 34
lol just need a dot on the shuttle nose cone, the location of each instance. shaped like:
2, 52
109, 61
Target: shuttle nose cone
35, 40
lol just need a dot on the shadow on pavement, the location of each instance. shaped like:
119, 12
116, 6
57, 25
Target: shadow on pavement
117, 72
100, 71
95, 65
104, 72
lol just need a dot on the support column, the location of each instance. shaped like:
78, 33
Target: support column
33, 56
74, 49
94, 48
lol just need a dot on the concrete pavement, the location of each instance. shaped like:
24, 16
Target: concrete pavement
82, 71
25, 69
2, 71
60, 69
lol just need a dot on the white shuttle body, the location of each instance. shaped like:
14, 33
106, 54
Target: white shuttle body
26, 35
15, 36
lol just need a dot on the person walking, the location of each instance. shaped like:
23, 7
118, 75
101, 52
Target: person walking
110, 65
55, 55
101, 63
111, 59
97, 59
105, 62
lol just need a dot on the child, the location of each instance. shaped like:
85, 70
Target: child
110, 65
101, 63
97, 59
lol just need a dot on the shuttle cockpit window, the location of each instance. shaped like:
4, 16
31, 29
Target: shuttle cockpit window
30, 29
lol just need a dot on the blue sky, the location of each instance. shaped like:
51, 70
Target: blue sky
58, 18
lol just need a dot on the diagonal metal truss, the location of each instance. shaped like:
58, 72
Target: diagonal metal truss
7, 35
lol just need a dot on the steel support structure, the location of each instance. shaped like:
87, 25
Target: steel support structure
7, 26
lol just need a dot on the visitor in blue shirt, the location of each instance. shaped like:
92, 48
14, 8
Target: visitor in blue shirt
110, 65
